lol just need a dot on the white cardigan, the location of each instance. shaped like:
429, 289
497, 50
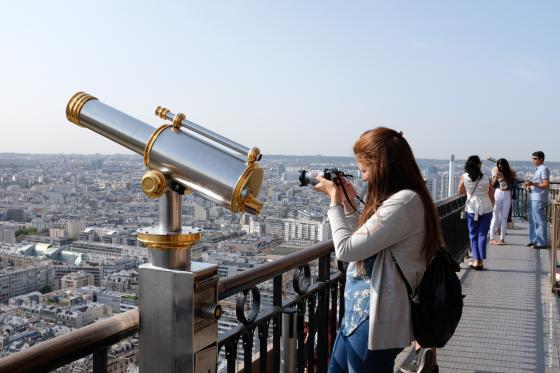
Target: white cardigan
397, 227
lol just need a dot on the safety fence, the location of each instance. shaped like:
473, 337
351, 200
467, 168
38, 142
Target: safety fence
292, 307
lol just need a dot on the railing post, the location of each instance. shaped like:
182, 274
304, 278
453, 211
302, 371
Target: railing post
323, 309
333, 315
263, 353
309, 343
288, 352
231, 354
300, 356
276, 321
100, 361
247, 338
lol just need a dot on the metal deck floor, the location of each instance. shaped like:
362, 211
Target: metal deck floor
511, 318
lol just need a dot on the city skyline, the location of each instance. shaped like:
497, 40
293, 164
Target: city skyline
350, 158
291, 78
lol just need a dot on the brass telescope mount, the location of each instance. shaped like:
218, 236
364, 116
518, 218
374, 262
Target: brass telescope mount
170, 242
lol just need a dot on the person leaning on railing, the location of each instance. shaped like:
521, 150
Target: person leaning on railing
538, 186
399, 218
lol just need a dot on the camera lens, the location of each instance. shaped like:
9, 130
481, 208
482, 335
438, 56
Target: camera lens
308, 177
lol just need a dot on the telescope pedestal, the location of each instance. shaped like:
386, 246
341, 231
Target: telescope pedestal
178, 298
177, 333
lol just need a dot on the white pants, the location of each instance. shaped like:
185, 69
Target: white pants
501, 212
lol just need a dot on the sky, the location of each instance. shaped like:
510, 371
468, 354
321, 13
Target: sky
291, 77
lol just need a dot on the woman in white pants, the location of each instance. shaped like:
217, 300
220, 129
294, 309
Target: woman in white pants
503, 180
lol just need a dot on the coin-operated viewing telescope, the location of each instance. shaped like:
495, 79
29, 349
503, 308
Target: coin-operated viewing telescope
178, 298
231, 179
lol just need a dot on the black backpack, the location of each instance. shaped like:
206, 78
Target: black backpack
437, 304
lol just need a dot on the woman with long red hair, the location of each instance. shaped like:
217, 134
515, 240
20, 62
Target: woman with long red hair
398, 219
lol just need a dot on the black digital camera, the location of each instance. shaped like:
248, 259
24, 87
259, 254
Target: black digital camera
309, 177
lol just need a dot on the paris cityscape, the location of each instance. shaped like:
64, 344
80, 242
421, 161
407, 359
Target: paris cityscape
69, 252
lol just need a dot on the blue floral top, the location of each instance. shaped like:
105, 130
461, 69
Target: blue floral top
356, 297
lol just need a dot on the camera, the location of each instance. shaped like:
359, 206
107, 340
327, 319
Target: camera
309, 177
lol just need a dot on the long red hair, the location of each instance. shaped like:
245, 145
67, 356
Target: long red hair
392, 168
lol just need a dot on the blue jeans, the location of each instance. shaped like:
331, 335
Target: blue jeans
478, 233
351, 354
537, 222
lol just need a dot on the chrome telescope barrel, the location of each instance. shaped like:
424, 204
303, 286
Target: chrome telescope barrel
86, 111
198, 165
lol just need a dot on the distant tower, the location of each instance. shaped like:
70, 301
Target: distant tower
451, 187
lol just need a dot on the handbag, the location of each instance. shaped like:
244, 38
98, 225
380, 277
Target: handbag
464, 211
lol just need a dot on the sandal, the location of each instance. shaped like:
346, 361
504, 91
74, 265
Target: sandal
499, 242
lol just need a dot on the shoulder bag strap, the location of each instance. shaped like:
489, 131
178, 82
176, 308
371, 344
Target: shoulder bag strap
408, 287
475, 185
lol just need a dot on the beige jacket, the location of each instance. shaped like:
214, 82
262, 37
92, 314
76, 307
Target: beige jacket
397, 227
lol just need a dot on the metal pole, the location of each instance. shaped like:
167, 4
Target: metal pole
170, 221
170, 208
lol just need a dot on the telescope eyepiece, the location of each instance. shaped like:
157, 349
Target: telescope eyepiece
75, 106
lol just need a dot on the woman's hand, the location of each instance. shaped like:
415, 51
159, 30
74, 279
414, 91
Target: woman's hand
329, 188
349, 201
350, 191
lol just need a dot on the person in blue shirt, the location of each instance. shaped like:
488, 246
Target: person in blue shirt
537, 186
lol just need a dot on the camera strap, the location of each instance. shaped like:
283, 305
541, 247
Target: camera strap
348, 198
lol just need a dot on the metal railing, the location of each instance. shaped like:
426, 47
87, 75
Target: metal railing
520, 203
91, 339
555, 264
316, 299
455, 233
316, 302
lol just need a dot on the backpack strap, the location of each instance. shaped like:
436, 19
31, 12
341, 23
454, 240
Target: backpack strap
408, 287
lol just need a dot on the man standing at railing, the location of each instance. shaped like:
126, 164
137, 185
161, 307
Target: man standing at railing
537, 186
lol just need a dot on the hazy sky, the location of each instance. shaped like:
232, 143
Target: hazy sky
292, 77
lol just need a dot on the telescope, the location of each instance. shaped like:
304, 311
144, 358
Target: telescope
178, 298
231, 179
